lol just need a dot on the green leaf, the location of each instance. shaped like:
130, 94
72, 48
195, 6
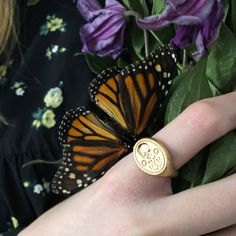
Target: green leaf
232, 171
136, 5
233, 15
98, 64
137, 37
193, 171
179, 184
225, 4
163, 35
122, 63
222, 158
221, 64
158, 6
145, 8
194, 86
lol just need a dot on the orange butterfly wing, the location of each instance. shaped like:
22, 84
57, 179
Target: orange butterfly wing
133, 95
104, 91
90, 147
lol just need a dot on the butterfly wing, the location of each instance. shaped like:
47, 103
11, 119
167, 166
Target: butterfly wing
90, 148
144, 85
104, 91
131, 96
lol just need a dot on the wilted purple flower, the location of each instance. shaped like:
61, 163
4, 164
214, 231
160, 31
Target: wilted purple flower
103, 35
196, 20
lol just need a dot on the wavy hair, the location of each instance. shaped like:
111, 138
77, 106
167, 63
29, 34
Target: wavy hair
8, 35
8, 28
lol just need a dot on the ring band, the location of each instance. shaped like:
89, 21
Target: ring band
153, 158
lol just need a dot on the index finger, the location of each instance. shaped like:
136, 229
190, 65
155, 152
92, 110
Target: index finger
200, 124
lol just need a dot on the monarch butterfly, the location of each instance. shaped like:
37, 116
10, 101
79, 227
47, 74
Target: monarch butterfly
130, 97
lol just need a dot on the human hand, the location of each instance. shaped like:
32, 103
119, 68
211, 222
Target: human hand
126, 201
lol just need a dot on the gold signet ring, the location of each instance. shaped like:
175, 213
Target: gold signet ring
153, 158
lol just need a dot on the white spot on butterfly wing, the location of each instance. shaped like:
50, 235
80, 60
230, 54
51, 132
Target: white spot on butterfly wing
164, 74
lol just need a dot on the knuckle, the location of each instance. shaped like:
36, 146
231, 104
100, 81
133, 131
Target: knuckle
204, 115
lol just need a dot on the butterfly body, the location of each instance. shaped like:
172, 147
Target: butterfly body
130, 97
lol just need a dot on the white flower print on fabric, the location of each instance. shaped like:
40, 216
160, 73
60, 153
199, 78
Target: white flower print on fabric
54, 50
20, 92
38, 188
19, 88
53, 97
42, 187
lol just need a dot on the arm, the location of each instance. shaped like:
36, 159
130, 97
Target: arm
126, 201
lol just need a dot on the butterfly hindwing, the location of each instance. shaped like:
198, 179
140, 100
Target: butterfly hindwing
90, 147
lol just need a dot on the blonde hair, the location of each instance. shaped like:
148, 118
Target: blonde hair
8, 35
8, 28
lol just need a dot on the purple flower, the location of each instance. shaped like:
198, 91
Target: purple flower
103, 35
196, 20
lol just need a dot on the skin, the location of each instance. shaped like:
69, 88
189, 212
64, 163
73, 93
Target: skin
126, 201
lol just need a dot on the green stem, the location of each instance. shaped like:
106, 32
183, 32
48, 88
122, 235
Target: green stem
132, 13
145, 32
184, 58
39, 161
180, 67
157, 39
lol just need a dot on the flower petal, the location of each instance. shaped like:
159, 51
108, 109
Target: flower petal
179, 12
115, 47
104, 33
212, 24
114, 5
185, 35
101, 28
196, 20
153, 22
88, 8
200, 45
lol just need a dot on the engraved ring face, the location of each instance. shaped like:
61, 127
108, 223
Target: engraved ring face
150, 156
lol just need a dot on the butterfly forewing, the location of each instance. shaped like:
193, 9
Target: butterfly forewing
104, 91
131, 96
143, 86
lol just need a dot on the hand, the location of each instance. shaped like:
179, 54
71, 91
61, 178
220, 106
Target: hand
126, 201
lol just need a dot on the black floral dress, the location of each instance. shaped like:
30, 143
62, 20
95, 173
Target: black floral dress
43, 79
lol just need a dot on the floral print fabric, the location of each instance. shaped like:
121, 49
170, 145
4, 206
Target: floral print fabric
38, 85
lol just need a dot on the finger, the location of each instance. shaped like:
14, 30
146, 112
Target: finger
195, 211
200, 124
229, 231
